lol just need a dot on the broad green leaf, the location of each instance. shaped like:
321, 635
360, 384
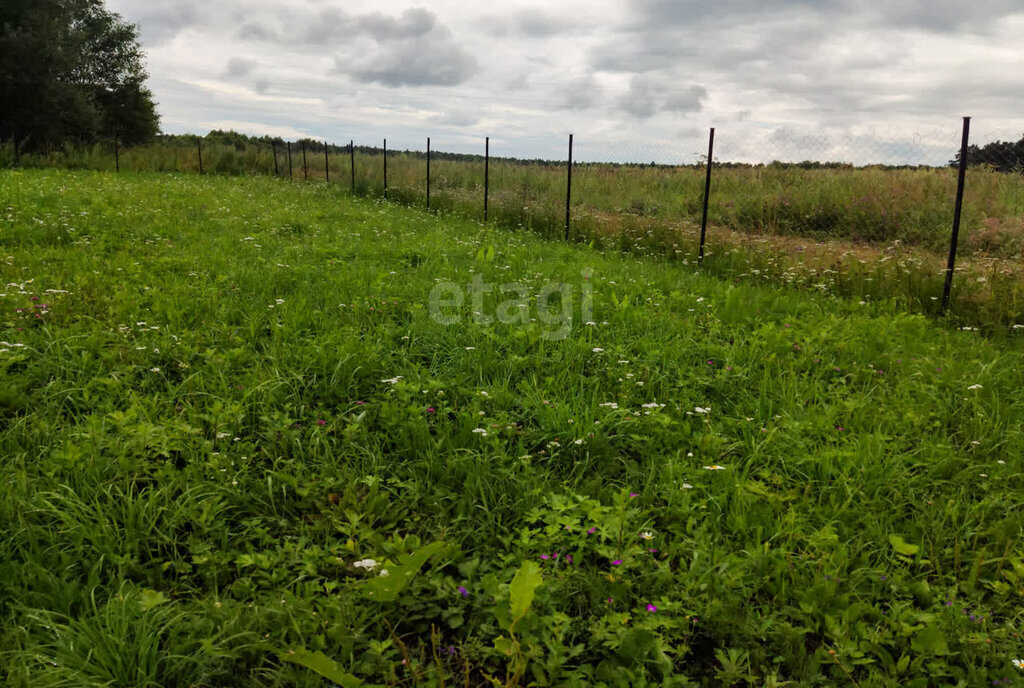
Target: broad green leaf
321, 664
151, 598
902, 665
902, 547
504, 645
387, 588
524, 585
930, 640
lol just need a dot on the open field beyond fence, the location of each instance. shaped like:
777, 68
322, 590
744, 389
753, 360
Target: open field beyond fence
874, 232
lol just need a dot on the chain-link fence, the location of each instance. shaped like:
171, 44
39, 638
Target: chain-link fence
860, 211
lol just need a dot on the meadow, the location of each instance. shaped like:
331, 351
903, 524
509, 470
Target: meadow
875, 231
240, 447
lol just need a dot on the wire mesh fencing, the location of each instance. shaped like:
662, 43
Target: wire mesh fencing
855, 209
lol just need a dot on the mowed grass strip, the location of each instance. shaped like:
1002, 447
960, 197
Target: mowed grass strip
226, 409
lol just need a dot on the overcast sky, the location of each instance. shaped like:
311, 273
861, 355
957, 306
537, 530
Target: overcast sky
638, 80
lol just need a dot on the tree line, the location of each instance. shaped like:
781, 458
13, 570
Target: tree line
1002, 156
71, 72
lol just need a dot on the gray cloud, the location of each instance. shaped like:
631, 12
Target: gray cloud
648, 95
416, 62
238, 67
161, 21
581, 93
326, 27
534, 22
412, 23
257, 31
929, 15
456, 119
411, 50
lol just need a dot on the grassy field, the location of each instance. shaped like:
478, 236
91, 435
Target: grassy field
872, 231
229, 405
869, 204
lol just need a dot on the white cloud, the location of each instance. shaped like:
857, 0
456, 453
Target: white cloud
643, 79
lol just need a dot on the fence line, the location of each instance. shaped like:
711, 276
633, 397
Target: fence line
524, 194
707, 196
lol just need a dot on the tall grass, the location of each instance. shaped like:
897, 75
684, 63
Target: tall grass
226, 408
897, 222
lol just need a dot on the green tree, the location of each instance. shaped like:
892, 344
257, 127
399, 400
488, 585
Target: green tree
71, 72
1002, 156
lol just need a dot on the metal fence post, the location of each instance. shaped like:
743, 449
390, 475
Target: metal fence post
273, 145
487, 172
956, 214
568, 190
305, 167
707, 194
291, 175
352, 159
428, 173
327, 163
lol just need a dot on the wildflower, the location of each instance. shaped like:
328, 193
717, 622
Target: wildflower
545, 556
1019, 663
431, 409
616, 562
974, 387
714, 467
480, 431
597, 350
383, 573
321, 422
366, 564
634, 494
463, 591
392, 380
646, 535
702, 409
651, 608
591, 531
579, 441
687, 486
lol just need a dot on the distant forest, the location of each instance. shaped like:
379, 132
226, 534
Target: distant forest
1000, 155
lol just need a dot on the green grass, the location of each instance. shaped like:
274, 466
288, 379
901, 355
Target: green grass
876, 205
218, 395
874, 231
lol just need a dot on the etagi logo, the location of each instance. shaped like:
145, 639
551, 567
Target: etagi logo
554, 305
